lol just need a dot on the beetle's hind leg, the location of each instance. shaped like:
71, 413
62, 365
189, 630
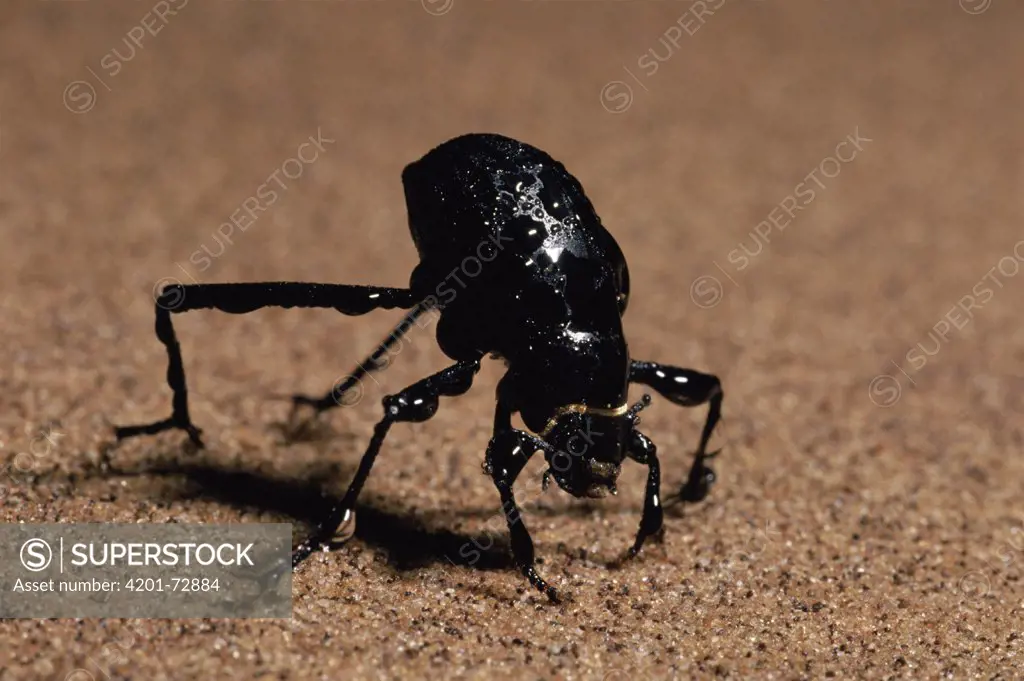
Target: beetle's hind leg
687, 388
241, 299
343, 392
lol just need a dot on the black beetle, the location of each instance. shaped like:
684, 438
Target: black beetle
546, 293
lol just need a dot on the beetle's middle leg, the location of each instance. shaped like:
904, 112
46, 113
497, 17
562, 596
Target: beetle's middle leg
416, 403
687, 388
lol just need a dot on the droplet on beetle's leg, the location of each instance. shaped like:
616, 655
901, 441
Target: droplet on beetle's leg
346, 530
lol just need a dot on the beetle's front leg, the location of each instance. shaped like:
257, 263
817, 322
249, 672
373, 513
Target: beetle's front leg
687, 388
642, 450
507, 454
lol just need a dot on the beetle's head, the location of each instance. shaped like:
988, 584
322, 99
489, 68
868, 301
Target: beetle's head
587, 447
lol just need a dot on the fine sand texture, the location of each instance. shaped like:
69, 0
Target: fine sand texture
820, 203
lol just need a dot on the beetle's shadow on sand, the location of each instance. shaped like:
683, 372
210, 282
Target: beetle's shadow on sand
408, 541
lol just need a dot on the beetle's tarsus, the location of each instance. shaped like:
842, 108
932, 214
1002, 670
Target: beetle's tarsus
319, 404
538, 582
699, 481
122, 433
308, 548
195, 436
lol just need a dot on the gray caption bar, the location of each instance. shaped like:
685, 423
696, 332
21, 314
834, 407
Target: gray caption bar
161, 570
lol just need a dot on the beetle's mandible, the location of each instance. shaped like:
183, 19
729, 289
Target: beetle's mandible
547, 293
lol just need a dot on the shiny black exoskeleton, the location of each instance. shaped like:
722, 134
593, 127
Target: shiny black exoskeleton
517, 262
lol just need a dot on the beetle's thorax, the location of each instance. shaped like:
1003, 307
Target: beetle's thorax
570, 370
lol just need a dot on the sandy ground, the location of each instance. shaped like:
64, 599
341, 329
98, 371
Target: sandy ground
862, 527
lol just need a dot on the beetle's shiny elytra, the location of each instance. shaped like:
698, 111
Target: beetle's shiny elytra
515, 259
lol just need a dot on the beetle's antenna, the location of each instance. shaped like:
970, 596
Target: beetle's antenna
644, 402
